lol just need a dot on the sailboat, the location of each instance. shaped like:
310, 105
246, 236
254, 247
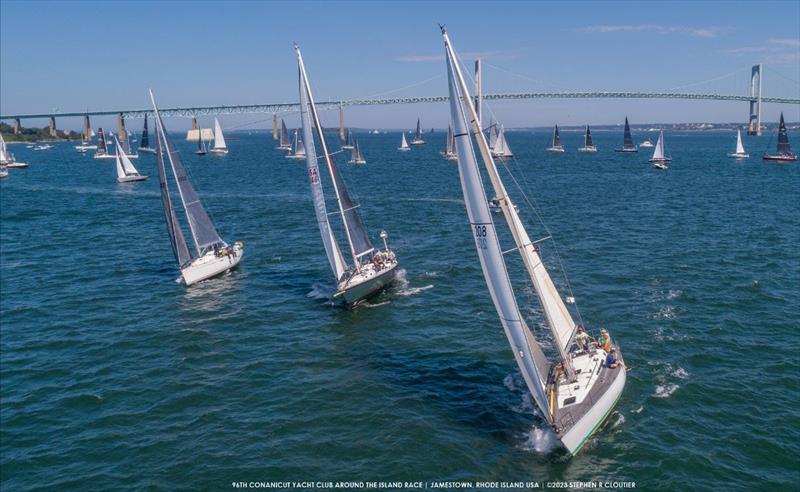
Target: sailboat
784, 152
588, 145
283, 142
219, 140
298, 149
212, 255
357, 157
102, 146
126, 147
627, 140
660, 159
372, 270
3, 171
417, 140
647, 144
7, 159
501, 148
450, 150
578, 391
202, 149
403, 144
144, 144
740, 153
125, 170
555, 146
86, 143
347, 143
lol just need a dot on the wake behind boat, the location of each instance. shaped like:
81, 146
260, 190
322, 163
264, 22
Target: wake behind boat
740, 153
577, 393
372, 270
784, 153
212, 256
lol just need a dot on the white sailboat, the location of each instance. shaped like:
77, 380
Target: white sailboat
144, 143
501, 148
219, 140
372, 270
578, 392
588, 145
347, 143
357, 157
555, 145
417, 140
102, 146
403, 144
212, 255
7, 159
740, 153
283, 142
492, 134
450, 149
298, 149
660, 160
86, 145
125, 170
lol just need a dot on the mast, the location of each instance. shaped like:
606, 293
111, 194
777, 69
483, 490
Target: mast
328, 162
478, 93
558, 317
341, 122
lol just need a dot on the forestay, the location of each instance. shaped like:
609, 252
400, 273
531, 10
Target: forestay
338, 265
528, 355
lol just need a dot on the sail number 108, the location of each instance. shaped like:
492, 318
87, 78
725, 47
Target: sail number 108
480, 236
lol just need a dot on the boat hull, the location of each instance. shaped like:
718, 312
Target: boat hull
15, 164
105, 156
588, 149
146, 150
129, 179
368, 288
209, 265
558, 150
739, 156
219, 151
780, 158
627, 151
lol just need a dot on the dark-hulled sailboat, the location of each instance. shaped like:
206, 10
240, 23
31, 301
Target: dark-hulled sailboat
144, 143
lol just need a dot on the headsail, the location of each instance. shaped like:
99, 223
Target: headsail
451, 144
783, 139
307, 113
658, 152
492, 134
627, 142
219, 138
200, 225
501, 147
528, 355
739, 145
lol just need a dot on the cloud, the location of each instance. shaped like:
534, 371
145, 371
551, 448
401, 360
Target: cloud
775, 51
785, 42
699, 32
486, 55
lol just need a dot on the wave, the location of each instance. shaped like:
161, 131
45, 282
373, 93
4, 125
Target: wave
665, 390
540, 440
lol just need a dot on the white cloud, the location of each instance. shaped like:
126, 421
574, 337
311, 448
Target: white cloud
775, 51
700, 32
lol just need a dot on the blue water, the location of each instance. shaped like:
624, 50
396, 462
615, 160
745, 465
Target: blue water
116, 376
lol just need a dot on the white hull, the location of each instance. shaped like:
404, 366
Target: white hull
146, 150
501, 156
208, 266
84, 148
647, 145
105, 156
403, 149
588, 149
346, 147
15, 164
660, 164
128, 179
218, 151
359, 161
417, 142
296, 157
559, 150
358, 289
736, 155
578, 434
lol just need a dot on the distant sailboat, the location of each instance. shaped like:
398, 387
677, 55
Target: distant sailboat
86, 145
125, 170
357, 157
501, 148
450, 149
102, 146
7, 159
627, 140
417, 140
125, 147
283, 142
647, 144
784, 152
660, 159
575, 393
212, 255
372, 269
347, 144
492, 134
219, 140
403, 144
740, 153
298, 149
202, 149
555, 146
588, 145
144, 144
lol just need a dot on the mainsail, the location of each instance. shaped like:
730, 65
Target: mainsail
419, 131
124, 164
307, 112
587, 139
145, 143
284, 142
203, 231
529, 357
451, 143
403, 143
739, 145
658, 152
492, 134
341, 123
5, 157
501, 147
219, 138
556, 137
627, 142
783, 139
87, 129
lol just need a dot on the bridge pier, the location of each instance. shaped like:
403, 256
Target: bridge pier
275, 126
194, 122
754, 125
17, 126
52, 126
122, 135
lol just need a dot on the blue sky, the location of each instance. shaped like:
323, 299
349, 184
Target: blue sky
104, 55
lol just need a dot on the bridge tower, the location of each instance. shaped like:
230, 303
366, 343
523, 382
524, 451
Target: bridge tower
122, 135
754, 126
52, 125
17, 126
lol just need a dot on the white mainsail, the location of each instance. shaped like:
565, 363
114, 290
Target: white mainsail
219, 138
307, 112
658, 152
124, 165
403, 143
501, 148
739, 146
4, 155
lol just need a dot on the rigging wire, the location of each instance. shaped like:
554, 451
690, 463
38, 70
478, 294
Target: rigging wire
707, 81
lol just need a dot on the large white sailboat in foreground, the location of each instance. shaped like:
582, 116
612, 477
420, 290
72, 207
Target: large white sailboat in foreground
219, 140
740, 152
212, 255
372, 269
660, 159
125, 170
576, 393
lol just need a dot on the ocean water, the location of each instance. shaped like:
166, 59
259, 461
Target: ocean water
115, 376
